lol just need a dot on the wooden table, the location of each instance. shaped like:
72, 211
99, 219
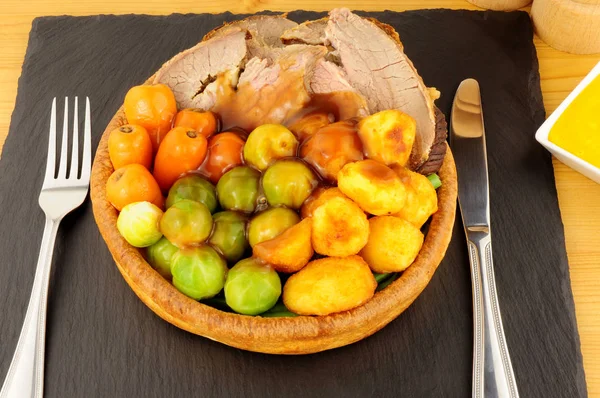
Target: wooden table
579, 197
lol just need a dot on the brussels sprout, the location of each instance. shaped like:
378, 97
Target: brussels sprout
159, 256
270, 224
193, 187
138, 224
186, 223
252, 287
229, 235
238, 189
199, 273
288, 183
267, 143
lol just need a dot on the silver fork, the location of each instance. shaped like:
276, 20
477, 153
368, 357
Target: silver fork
59, 196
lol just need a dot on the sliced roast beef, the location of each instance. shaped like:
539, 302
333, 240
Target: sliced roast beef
346, 65
309, 32
438, 148
191, 72
263, 34
378, 68
329, 81
268, 91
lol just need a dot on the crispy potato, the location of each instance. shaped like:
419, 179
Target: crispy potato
374, 186
317, 198
421, 198
388, 136
329, 285
309, 125
393, 244
339, 228
290, 251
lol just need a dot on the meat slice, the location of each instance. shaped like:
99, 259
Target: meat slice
309, 32
268, 91
264, 32
438, 148
378, 68
334, 93
191, 72
328, 77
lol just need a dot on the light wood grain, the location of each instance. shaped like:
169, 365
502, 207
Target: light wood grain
568, 25
501, 5
579, 197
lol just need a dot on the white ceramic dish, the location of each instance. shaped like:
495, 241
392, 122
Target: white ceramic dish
574, 162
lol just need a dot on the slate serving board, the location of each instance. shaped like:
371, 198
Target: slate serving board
103, 342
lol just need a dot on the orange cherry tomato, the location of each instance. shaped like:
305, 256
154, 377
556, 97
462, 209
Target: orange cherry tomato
224, 153
152, 107
204, 122
182, 150
130, 144
132, 183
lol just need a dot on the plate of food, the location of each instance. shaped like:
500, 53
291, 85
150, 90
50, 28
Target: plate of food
279, 187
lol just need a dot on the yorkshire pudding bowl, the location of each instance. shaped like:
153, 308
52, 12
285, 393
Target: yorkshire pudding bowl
298, 335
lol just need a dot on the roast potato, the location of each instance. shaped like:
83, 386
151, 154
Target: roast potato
421, 198
329, 285
393, 244
290, 251
388, 136
308, 125
330, 148
373, 186
339, 228
317, 198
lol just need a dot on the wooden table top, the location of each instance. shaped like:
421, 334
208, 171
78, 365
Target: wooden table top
578, 196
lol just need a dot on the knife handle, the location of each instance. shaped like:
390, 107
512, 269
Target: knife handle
492, 369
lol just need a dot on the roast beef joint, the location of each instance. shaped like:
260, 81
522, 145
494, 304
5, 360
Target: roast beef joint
269, 69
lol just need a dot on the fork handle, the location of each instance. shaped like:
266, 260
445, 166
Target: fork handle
492, 369
26, 373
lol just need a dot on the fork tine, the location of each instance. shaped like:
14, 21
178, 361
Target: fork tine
87, 143
74, 169
51, 160
62, 169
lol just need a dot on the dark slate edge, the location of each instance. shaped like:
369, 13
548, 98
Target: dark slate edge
536, 97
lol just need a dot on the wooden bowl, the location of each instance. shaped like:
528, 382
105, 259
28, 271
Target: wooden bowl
299, 335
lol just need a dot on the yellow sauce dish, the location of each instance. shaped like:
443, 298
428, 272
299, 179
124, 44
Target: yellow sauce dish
572, 131
578, 128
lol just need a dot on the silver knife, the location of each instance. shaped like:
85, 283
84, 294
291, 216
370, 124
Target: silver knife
492, 370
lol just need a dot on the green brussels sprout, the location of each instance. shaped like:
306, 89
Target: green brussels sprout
229, 235
193, 187
238, 189
138, 224
159, 256
270, 224
252, 287
267, 143
199, 272
288, 183
186, 223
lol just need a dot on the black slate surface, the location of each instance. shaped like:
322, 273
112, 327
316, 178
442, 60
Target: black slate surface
103, 342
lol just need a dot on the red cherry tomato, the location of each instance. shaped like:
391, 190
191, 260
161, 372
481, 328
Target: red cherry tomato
224, 153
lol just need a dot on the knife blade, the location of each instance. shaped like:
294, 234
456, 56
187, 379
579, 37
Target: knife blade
493, 374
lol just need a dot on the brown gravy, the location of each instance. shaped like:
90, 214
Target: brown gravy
284, 102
